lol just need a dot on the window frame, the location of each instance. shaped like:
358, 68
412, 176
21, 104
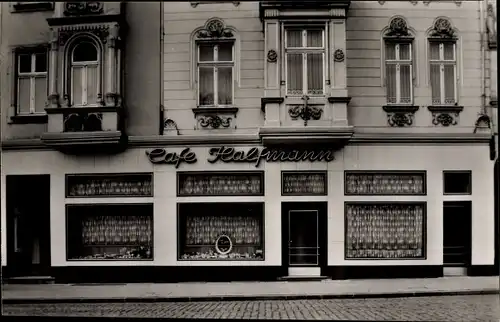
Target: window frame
398, 62
69, 67
215, 64
442, 63
32, 75
304, 50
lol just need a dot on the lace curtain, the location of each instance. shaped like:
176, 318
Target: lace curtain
215, 74
398, 63
309, 62
442, 66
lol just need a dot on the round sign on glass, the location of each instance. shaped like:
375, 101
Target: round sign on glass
223, 244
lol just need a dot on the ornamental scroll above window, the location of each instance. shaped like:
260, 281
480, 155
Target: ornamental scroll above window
398, 73
443, 80
215, 57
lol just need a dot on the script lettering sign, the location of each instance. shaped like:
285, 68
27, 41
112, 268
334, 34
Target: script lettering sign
229, 154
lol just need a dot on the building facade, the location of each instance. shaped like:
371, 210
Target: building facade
230, 140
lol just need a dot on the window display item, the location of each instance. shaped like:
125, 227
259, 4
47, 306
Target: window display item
109, 185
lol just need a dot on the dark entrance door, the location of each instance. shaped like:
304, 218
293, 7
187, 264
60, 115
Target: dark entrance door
28, 224
304, 233
457, 220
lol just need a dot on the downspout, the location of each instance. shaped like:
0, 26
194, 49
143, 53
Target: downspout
483, 39
162, 58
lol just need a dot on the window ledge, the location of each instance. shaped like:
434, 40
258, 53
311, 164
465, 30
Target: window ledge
445, 115
336, 99
29, 119
270, 100
445, 108
400, 108
94, 109
32, 6
215, 110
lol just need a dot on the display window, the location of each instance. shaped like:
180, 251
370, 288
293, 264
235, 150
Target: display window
385, 230
221, 231
109, 232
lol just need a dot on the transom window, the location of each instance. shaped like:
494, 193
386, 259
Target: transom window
305, 61
215, 73
443, 72
31, 82
85, 78
399, 73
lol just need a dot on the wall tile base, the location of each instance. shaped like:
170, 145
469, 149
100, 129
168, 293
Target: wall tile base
376, 272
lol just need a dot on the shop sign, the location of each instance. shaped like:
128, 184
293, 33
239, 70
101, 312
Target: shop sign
229, 154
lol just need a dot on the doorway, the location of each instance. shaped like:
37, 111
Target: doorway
457, 220
28, 224
304, 233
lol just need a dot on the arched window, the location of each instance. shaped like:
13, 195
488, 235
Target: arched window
85, 82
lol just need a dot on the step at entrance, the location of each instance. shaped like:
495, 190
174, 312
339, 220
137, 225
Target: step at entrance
31, 280
301, 278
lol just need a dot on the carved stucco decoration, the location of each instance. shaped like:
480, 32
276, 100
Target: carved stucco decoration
83, 8
338, 55
272, 56
398, 27
414, 2
170, 126
445, 115
491, 26
101, 32
483, 122
215, 28
214, 121
305, 111
381, 2
442, 28
400, 116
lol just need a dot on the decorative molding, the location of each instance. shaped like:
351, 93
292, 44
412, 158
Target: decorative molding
215, 28
400, 115
214, 121
414, 2
169, 125
337, 99
445, 115
83, 8
305, 111
25, 6
482, 122
458, 3
442, 29
491, 27
381, 2
398, 28
272, 56
100, 31
426, 3
215, 118
338, 56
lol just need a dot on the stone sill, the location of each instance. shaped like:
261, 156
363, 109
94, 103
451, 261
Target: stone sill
29, 119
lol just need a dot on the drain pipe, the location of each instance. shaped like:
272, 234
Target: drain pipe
162, 70
483, 39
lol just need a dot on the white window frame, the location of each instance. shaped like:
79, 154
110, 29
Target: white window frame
442, 62
304, 50
84, 65
398, 62
31, 75
215, 64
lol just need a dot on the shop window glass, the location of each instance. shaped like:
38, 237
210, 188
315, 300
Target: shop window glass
109, 232
457, 182
388, 183
221, 231
220, 184
385, 230
304, 183
109, 185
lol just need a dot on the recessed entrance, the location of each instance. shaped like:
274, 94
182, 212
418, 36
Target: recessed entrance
28, 225
456, 237
304, 237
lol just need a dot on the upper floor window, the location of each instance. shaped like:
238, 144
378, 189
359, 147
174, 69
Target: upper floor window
443, 72
443, 63
305, 61
398, 62
85, 80
31, 77
215, 69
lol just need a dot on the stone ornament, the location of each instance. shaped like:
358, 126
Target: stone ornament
272, 56
442, 29
306, 112
214, 121
78, 8
101, 32
400, 116
215, 28
338, 56
398, 28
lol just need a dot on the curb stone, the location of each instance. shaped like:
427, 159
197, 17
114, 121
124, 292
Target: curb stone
217, 298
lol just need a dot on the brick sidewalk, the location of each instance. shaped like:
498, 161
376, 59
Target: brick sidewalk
60, 293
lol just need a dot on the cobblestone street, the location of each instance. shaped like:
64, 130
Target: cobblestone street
444, 308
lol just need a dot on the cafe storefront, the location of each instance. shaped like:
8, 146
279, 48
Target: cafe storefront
245, 212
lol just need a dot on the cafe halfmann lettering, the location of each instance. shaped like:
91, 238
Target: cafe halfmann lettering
247, 142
